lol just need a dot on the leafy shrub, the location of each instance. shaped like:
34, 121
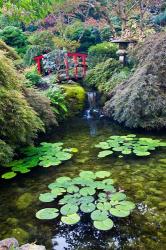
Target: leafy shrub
32, 75
119, 75
42, 106
160, 19
89, 193
101, 52
9, 52
6, 153
43, 39
58, 102
127, 145
141, 100
14, 37
46, 155
31, 52
24, 121
102, 73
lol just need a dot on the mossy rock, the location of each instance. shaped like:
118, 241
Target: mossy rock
24, 201
75, 97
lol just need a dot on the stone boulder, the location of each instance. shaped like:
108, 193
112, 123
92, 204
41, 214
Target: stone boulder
140, 102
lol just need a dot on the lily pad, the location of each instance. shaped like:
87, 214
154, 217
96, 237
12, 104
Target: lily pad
87, 191
119, 212
70, 219
8, 175
87, 208
105, 206
118, 196
102, 174
69, 209
73, 189
104, 225
98, 215
47, 197
47, 214
87, 175
105, 153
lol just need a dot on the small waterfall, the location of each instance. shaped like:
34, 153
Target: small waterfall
93, 110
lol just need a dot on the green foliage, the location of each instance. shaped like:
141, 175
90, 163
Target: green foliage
14, 37
101, 52
58, 102
102, 73
6, 152
31, 52
9, 52
139, 102
33, 76
160, 19
46, 155
89, 193
42, 106
75, 98
127, 145
43, 39
87, 36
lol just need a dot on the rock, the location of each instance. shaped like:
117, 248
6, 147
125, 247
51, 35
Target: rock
140, 101
32, 247
8, 243
24, 201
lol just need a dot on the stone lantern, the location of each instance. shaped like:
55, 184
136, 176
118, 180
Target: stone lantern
122, 51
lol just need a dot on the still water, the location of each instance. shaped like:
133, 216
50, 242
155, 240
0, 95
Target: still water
143, 179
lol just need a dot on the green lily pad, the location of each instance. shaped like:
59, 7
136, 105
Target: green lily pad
108, 181
87, 208
86, 199
72, 189
98, 215
105, 206
8, 175
69, 209
87, 191
104, 225
102, 174
119, 213
105, 153
118, 196
58, 191
47, 214
87, 175
110, 188
126, 205
70, 219
47, 197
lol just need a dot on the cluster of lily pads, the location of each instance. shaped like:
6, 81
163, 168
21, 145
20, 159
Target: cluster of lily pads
46, 155
91, 193
127, 145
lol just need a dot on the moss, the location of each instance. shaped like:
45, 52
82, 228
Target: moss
75, 97
24, 201
21, 235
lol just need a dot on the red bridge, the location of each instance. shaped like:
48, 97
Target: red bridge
79, 60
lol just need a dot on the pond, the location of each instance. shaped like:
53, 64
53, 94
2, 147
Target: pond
143, 179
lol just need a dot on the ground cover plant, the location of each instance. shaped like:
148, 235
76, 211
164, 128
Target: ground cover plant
89, 193
127, 145
46, 155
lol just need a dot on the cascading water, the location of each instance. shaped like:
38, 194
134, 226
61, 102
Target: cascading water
92, 110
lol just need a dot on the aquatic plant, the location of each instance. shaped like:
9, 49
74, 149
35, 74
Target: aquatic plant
46, 155
127, 145
91, 193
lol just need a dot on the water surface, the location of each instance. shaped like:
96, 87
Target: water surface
143, 180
